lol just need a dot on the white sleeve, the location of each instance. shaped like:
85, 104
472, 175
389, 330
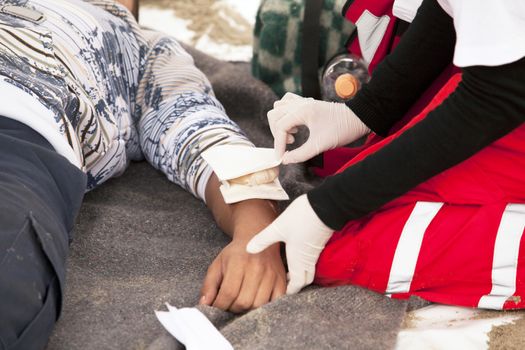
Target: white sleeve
406, 9
489, 32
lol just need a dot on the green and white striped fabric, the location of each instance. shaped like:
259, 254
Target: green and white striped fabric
278, 41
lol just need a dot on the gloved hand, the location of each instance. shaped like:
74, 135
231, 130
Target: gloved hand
331, 125
305, 236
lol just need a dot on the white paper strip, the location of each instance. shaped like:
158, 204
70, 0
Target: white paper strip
190, 327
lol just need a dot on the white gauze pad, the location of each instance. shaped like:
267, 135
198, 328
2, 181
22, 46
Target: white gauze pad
244, 172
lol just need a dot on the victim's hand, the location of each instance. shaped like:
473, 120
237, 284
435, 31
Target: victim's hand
238, 281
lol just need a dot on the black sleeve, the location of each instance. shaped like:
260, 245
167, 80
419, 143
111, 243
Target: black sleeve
488, 104
424, 51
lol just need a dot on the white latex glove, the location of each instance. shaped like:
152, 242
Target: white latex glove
305, 236
331, 125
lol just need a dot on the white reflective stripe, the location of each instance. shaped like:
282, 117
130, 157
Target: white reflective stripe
409, 245
370, 32
505, 261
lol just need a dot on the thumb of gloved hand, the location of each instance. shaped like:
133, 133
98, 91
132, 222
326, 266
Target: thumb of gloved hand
267, 237
330, 125
305, 236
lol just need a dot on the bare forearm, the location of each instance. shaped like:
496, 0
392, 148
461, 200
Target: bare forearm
239, 220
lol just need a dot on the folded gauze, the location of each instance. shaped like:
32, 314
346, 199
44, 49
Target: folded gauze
246, 172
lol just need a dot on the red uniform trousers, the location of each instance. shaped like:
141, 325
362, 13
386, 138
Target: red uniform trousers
454, 239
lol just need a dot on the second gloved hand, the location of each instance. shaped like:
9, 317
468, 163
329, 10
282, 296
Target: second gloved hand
305, 236
331, 125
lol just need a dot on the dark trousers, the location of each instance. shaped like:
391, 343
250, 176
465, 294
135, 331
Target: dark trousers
40, 195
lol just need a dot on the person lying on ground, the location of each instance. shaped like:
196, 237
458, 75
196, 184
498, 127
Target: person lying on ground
84, 91
436, 209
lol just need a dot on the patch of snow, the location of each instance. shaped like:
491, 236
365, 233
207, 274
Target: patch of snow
224, 52
247, 8
442, 327
166, 21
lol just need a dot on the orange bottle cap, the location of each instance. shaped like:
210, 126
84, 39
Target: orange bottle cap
346, 85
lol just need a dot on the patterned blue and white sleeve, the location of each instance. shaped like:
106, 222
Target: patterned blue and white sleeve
180, 116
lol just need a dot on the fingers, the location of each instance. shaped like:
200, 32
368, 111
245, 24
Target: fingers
309, 276
290, 138
283, 131
273, 117
301, 154
284, 120
250, 285
280, 146
258, 289
279, 288
229, 289
279, 143
283, 135
211, 284
277, 114
264, 239
296, 283
291, 120
299, 280
289, 96
299, 273
264, 293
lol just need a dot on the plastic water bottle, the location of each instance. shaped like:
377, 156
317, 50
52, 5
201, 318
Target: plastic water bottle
343, 77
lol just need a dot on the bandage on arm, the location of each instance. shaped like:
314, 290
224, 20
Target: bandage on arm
246, 172
257, 178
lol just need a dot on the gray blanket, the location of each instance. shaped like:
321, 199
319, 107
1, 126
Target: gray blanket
141, 241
